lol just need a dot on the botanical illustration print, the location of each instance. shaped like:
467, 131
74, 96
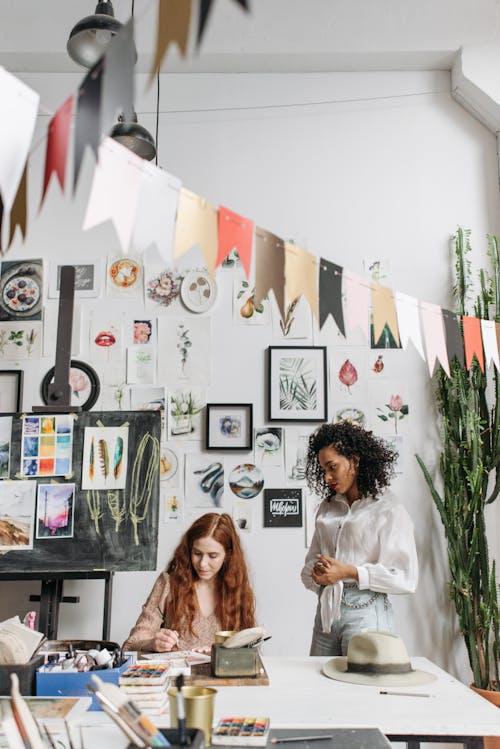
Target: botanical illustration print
298, 379
161, 286
47, 445
297, 322
55, 509
184, 418
105, 451
348, 367
141, 365
184, 349
268, 446
245, 310
5, 438
20, 340
17, 514
390, 404
393, 411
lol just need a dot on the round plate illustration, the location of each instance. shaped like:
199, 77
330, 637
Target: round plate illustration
198, 290
168, 464
124, 272
85, 385
246, 480
21, 291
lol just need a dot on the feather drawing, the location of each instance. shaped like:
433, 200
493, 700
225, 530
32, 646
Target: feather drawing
91, 460
102, 448
118, 457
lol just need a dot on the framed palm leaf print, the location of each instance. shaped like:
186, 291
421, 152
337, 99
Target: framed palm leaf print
297, 383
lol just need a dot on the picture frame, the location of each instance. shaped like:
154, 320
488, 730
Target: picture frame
282, 508
229, 426
297, 383
11, 390
84, 382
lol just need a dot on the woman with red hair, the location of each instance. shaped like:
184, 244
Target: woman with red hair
204, 589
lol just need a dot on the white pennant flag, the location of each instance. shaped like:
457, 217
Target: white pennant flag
156, 211
490, 343
18, 111
115, 190
409, 321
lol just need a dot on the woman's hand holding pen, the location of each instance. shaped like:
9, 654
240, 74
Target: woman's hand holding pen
165, 640
328, 571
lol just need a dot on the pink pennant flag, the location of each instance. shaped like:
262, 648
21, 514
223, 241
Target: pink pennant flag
357, 303
114, 194
57, 145
490, 344
235, 232
434, 336
409, 321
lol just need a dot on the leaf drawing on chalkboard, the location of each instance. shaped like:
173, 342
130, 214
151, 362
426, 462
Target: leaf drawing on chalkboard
94, 505
143, 480
117, 507
91, 460
102, 449
118, 457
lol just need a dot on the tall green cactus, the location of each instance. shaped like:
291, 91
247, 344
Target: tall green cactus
469, 407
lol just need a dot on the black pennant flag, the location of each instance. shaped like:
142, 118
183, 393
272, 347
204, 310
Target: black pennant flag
205, 8
453, 336
88, 111
330, 294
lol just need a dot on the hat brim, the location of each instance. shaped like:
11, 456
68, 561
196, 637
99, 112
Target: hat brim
336, 668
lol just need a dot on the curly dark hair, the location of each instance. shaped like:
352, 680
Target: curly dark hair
376, 458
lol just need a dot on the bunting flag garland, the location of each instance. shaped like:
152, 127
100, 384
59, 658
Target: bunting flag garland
435, 342
87, 121
196, 225
115, 190
20, 107
357, 303
156, 211
490, 344
330, 294
301, 276
56, 155
409, 321
205, 8
118, 79
174, 17
472, 341
235, 233
18, 214
384, 312
453, 336
269, 268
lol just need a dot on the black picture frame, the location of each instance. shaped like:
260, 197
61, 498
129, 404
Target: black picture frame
297, 383
85, 369
11, 387
283, 508
229, 426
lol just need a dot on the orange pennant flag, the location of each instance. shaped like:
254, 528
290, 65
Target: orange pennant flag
269, 268
473, 342
18, 214
384, 312
301, 276
235, 233
196, 225
174, 17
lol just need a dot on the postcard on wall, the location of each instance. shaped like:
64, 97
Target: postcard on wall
245, 311
20, 340
171, 502
21, 290
185, 410
297, 440
171, 461
141, 332
390, 409
124, 278
243, 514
47, 445
105, 458
50, 321
297, 322
17, 514
282, 508
147, 398
5, 440
204, 481
161, 287
348, 366
184, 349
88, 278
55, 510
141, 365
356, 412
268, 446
105, 339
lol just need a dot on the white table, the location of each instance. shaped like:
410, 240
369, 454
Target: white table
300, 696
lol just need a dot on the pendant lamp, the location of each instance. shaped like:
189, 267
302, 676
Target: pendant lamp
134, 137
89, 37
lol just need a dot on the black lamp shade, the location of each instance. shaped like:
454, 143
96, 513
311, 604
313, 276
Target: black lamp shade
136, 138
89, 37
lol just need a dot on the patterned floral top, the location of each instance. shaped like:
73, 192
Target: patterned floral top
151, 620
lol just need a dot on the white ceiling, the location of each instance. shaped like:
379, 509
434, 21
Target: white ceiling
276, 36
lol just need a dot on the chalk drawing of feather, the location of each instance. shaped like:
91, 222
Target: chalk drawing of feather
102, 448
91, 460
118, 457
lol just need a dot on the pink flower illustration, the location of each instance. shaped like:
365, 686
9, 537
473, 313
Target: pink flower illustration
142, 332
396, 410
78, 382
395, 403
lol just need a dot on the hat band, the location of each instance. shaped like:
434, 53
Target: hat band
374, 668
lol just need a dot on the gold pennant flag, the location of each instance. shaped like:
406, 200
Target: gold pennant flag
269, 268
196, 225
174, 17
301, 276
384, 312
18, 215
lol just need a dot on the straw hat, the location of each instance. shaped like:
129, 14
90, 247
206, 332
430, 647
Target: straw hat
379, 659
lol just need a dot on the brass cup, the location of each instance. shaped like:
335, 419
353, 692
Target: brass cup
220, 637
199, 705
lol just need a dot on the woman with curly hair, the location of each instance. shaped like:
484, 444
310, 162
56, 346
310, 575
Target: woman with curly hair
205, 588
363, 546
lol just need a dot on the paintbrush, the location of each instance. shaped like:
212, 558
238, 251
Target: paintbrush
25, 722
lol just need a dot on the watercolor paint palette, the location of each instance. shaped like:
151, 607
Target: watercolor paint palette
241, 732
148, 674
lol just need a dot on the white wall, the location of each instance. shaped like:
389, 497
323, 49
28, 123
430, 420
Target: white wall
352, 166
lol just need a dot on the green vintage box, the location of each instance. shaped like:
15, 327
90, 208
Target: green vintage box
235, 661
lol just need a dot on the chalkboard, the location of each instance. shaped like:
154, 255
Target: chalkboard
111, 529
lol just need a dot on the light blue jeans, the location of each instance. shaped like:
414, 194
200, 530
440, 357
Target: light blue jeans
359, 609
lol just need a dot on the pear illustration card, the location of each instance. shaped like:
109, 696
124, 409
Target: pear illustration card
104, 464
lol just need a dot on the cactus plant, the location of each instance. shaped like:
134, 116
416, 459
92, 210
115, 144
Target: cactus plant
469, 410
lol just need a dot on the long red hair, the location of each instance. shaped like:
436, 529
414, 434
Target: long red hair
235, 607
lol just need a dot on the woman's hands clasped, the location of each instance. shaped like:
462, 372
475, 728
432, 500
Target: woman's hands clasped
328, 571
165, 640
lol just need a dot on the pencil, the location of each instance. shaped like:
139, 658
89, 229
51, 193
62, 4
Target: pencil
290, 739
407, 694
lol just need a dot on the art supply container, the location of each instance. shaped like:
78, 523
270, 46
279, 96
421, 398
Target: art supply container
223, 635
199, 705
